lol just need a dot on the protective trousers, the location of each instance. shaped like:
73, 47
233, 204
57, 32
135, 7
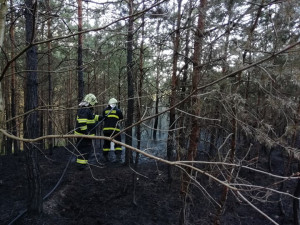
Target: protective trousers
106, 145
84, 146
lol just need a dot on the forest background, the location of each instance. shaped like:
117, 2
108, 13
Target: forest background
215, 78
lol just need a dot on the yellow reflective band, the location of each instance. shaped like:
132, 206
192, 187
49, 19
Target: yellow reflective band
90, 121
113, 116
106, 149
118, 148
112, 111
81, 120
81, 161
83, 127
111, 128
83, 134
96, 118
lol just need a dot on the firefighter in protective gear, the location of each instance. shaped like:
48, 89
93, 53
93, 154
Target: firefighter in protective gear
112, 116
85, 125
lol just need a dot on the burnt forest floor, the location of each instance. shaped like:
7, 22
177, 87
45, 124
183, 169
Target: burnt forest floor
105, 195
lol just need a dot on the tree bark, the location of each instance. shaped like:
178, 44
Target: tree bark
195, 133
6, 93
182, 140
174, 84
79, 52
140, 86
14, 104
130, 83
50, 89
3, 11
139, 105
155, 125
31, 124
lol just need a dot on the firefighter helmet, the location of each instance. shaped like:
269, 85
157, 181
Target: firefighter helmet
112, 101
91, 99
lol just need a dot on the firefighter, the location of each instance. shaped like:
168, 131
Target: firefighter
111, 127
85, 125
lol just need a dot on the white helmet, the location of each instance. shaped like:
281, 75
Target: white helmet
91, 99
112, 101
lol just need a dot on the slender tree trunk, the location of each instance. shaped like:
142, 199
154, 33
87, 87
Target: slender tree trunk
50, 89
182, 141
195, 133
174, 84
155, 125
296, 202
130, 82
139, 105
31, 124
6, 92
88, 82
140, 86
13, 82
119, 84
41, 143
70, 91
79, 52
3, 11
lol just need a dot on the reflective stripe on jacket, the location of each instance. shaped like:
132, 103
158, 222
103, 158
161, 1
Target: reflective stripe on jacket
86, 121
112, 118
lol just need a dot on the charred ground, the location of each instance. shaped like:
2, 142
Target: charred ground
105, 195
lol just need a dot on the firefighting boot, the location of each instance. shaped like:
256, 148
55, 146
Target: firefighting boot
118, 158
106, 158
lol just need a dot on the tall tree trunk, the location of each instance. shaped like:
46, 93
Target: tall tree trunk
8, 141
31, 124
195, 133
130, 82
79, 52
139, 86
50, 89
182, 141
155, 125
296, 202
158, 68
13, 82
70, 91
41, 143
3, 11
171, 132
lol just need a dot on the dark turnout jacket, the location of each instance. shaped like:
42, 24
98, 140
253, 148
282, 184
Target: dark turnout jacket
112, 116
86, 121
